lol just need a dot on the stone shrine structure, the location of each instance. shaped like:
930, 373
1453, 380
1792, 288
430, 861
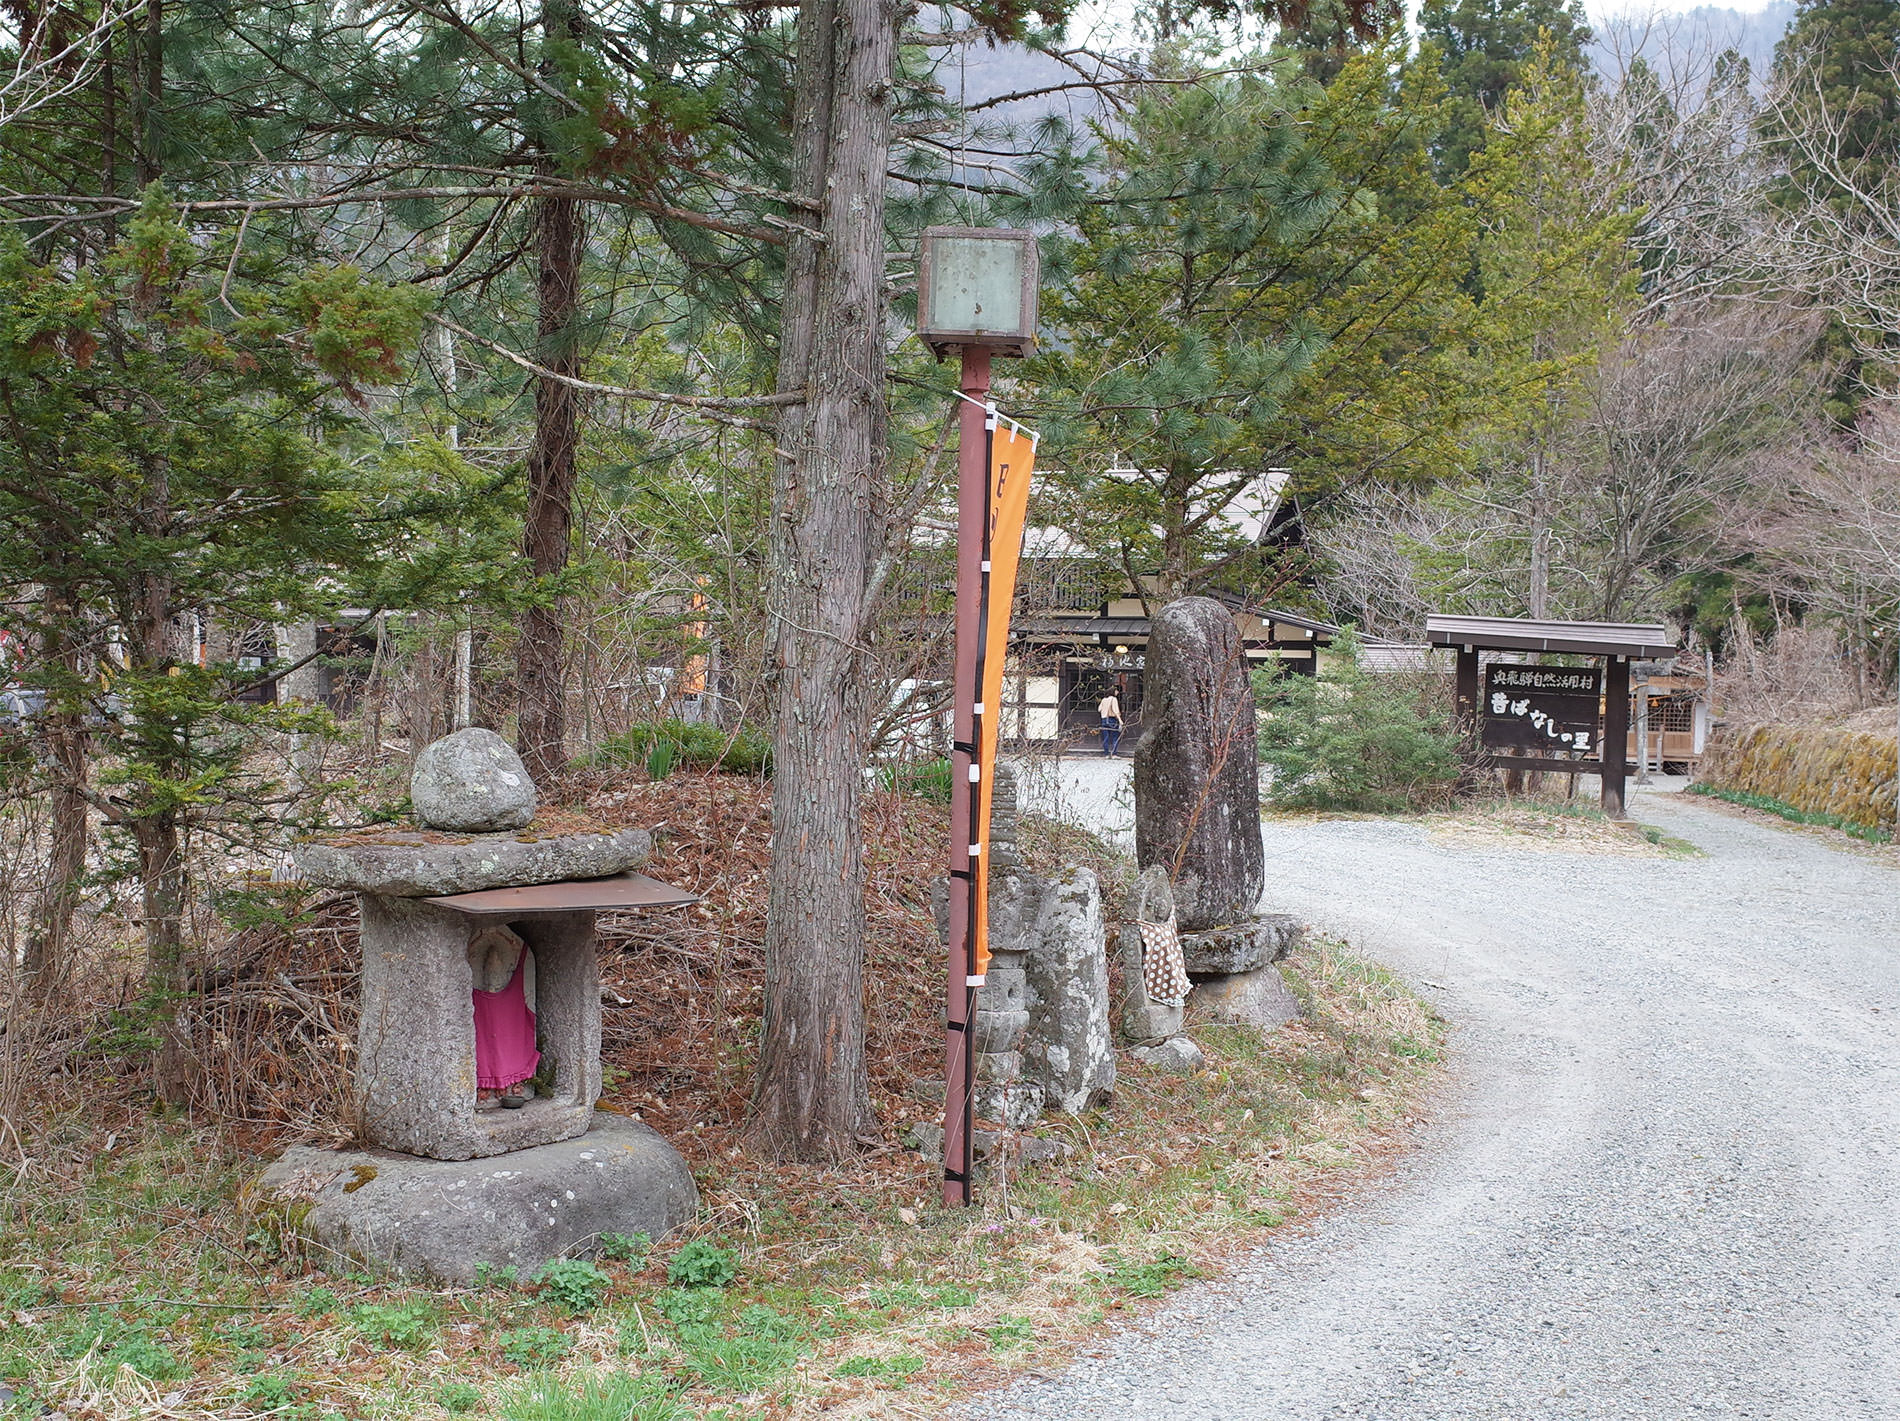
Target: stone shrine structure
431, 899
1198, 839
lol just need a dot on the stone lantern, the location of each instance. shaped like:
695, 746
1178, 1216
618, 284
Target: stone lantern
449, 1175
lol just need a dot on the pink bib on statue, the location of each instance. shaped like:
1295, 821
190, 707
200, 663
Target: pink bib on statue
505, 1053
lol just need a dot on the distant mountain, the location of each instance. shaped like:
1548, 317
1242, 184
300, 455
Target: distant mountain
979, 72
1669, 42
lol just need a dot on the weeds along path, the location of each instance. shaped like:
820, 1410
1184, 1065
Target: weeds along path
1665, 1182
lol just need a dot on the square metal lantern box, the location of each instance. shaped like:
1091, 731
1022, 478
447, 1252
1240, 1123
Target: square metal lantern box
976, 286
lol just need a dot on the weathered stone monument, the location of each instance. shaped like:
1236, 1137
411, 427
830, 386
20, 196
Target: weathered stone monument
1043, 1039
1198, 837
1197, 771
479, 1037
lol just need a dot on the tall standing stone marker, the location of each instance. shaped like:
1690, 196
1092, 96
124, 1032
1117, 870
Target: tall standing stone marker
1197, 770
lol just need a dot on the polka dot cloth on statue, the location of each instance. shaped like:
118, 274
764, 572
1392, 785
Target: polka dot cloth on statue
1163, 969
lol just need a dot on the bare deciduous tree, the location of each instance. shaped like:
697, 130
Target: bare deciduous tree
1840, 239
1678, 120
1672, 422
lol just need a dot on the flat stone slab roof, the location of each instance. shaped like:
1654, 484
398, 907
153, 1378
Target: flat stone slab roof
427, 864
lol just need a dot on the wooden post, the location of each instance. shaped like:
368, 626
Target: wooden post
1642, 735
1616, 730
959, 1053
1468, 709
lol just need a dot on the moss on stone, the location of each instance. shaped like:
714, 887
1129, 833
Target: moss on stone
1824, 770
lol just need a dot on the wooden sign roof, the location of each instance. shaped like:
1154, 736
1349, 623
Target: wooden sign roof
623, 892
1580, 638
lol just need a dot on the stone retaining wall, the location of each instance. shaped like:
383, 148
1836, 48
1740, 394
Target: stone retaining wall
1817, 768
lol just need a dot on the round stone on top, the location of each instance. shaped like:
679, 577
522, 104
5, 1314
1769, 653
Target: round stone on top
471, 782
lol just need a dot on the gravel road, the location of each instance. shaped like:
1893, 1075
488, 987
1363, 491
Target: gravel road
1664, 1181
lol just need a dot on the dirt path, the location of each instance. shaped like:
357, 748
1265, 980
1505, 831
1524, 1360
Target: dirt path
1666, 1182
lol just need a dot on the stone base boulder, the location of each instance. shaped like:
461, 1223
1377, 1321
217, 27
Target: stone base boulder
442, 1220
1177, 1055
1245, 946
1258, 998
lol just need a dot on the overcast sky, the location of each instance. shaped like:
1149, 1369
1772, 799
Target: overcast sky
1105, 23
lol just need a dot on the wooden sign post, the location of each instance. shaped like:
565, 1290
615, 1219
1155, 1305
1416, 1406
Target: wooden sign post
1568, 719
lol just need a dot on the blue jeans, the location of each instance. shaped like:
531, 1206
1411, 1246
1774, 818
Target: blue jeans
1111, 734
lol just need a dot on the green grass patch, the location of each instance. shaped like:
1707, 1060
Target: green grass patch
1781, 809
140, 1271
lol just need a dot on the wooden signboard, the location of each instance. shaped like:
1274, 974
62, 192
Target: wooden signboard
1543, 710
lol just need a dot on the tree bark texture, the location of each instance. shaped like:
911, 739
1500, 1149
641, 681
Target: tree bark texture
812, 1098
151, 94
540, 666
48, 946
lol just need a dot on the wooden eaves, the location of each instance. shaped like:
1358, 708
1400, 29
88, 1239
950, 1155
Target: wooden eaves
1648, 641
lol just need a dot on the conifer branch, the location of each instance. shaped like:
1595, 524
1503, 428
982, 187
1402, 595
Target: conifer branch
708, 405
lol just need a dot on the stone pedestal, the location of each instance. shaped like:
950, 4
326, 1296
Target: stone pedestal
441, 1219
1259, 999
1233, 971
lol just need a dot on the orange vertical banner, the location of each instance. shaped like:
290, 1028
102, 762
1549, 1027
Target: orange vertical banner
1012, 461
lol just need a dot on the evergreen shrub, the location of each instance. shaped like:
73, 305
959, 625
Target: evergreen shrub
1349, 738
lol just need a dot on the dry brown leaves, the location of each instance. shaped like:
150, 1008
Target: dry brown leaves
685, 987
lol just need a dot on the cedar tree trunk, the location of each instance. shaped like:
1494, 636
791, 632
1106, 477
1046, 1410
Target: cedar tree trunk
48, 945
540, 672
812, 1099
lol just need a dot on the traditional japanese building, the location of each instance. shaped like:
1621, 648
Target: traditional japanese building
1079, 634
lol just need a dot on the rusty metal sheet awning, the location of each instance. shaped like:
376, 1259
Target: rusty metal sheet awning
623, 892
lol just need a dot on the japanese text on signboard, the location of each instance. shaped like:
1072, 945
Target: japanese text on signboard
1542, 709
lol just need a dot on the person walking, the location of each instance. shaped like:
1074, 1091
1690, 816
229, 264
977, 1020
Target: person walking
1110, 711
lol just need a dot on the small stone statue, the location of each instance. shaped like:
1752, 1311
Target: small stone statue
506, 1053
